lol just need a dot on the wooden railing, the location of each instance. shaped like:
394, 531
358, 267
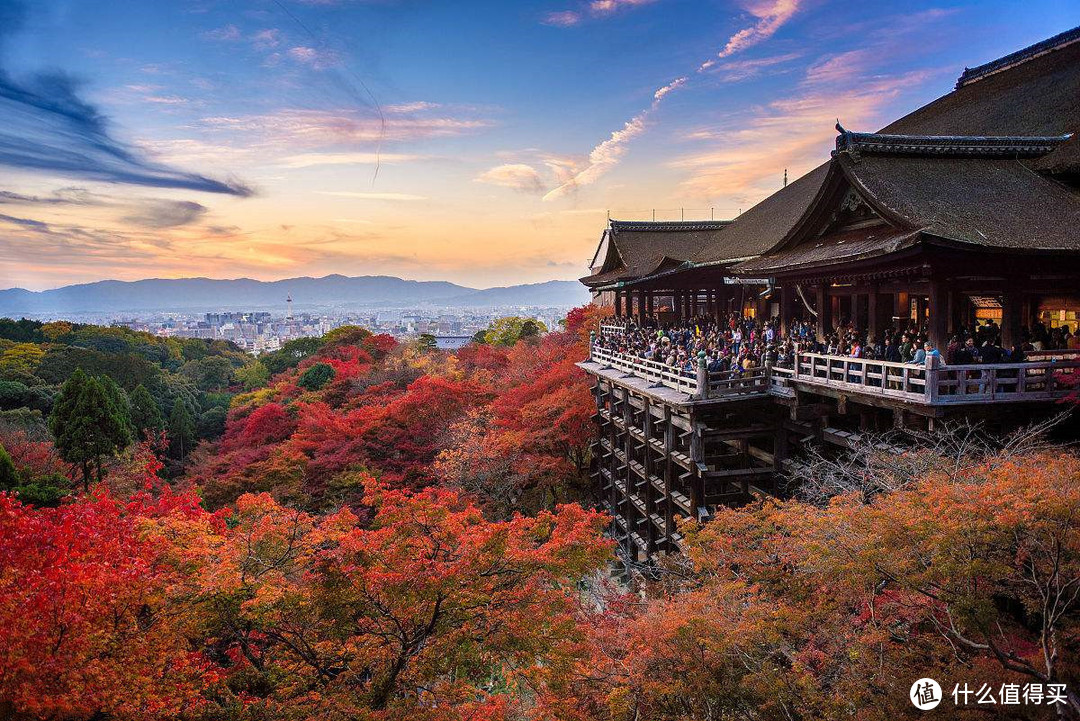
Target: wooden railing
778, 381
1047, 380
938, 384
653, 371
896, 380
700, 385
1045, 375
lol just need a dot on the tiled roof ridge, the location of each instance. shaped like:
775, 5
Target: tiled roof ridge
971, 75
975, 146
667, 225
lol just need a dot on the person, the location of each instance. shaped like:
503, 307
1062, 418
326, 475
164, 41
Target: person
951, 350
920, 355
892, 351
968, 353
1073, 342
991, 352
930, 351
906, 350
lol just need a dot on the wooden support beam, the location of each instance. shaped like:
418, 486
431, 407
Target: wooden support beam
824, 311
669, 473
937, 307
1011, 318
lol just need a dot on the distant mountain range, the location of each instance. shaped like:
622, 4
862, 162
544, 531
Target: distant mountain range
204, 294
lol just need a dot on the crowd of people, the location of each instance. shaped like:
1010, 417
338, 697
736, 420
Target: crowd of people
740, 343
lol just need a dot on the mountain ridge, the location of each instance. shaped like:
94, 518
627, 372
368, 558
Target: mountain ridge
334, 290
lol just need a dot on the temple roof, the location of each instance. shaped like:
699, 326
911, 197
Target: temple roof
845, 247
762, 226
963, 168
640, 248
950, 146
993, 203
973, 75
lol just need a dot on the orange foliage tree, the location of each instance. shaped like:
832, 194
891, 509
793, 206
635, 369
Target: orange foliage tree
790, 610
428, 611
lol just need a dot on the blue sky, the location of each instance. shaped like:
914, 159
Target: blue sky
240, 137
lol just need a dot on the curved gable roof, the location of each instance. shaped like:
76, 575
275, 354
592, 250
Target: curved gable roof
645, 247
994, 203
1034, 95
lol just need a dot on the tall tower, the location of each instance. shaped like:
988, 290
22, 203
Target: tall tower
288, 301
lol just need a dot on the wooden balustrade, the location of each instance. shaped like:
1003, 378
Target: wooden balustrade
940, 384
934, 385
718, 384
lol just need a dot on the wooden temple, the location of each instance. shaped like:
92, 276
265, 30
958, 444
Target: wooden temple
966, 209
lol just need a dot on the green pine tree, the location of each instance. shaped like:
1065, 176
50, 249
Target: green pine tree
90, 421
9, 476
146, 416
181, 430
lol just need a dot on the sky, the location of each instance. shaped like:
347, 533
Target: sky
479, 142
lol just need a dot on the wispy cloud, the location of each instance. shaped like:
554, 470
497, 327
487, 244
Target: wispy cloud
358, 195
746, 158
562, 18
49, 127
413, 107
62, 196
516, 176
266, 39
314, 58
166, 213
607, 154
605, 7
315, 127
310, 160
771, 16
228, 33
734, 71
595, 8
24, 222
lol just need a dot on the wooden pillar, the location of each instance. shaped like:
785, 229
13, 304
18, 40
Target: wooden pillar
697, 456
873, 316
1011, 318
824, 311
650, 494
669, 476
649, 301
787, 307
937, 307
628, 478
618, 304
953, 301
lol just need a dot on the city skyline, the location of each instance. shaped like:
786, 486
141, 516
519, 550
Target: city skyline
481, 145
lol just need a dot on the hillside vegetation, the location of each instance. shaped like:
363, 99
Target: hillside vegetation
383, 531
